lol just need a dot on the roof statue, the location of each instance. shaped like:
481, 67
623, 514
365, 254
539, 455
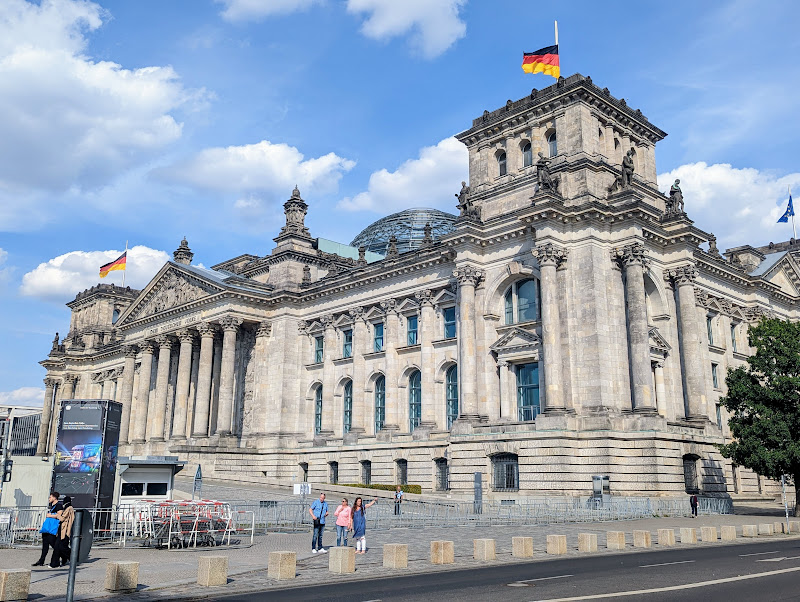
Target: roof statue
627, 169
467, 208
545, 180
675, 201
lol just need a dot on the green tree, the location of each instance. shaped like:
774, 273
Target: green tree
764, 402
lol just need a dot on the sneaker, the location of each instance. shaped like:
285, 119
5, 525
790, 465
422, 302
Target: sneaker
313, 551
38, 564
323, 551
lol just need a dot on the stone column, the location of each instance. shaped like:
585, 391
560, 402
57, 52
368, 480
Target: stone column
47, 413
427, 326
393, 401
507, 405
633, 260
182, 386
192, 387
550, 257
468, 278
661, 389
230, 326
332, 415
157, 410
126, 398
202, 403
361, 408
66, 391
142, 401
694, 378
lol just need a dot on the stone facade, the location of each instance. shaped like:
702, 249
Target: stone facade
567, 327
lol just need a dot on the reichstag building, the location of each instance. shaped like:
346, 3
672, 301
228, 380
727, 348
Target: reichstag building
570, 321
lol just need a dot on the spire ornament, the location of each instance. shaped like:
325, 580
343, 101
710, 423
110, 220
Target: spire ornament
295, 210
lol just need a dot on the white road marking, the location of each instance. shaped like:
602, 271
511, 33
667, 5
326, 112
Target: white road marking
757, 554
778, 559
524, 582
673, 588
647, 566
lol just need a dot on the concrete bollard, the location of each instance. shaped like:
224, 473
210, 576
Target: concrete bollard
794, 527
749, 530
556, 544
666, 537
587, 542
442, 552
483, 549
642, 539
688, 535
728, 533
765, 529
212, 570
615, 540
282, 565
14, 584
779, 527
395, 555
522, 547
342, 559
708, 534
122, 576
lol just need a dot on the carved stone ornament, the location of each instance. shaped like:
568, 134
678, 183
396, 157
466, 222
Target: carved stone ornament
50, 382
674, 205
230, 323
389, 306
424, 298
391, 249
185, 336
264, 329
129, 350
545, 180
427, 239
357, 313
302, 326
206, 329
147, 346
467, 209
173, 290
633, 254
183, 254
326, 321
164, 342
295, 210
682, 276
468, 275
549, 254
712, 246
362, 255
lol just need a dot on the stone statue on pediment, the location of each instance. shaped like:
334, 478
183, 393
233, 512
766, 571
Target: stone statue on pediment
546, 181
466, 207
627, 169
55, 343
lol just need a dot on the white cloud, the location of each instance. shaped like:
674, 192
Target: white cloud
246, 10
261, 167
24, 396
740, 206
430, 181
62, 277
68, 120
434, 25
5, 272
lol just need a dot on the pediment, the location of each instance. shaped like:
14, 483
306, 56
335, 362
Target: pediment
170, 289
516, 339
785, 274
658, 342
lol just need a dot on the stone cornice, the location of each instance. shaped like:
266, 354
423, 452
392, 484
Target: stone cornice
110, 291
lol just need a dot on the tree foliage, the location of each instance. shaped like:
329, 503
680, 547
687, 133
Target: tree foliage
764, 402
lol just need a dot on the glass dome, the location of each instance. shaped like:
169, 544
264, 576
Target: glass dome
409, 228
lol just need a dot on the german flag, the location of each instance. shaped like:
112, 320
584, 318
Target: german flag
118, 264
544, 61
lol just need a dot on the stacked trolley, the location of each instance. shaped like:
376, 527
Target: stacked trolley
185, 523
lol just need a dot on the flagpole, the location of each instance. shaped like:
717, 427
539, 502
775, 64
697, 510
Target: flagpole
125, 271
556, 33
794, 231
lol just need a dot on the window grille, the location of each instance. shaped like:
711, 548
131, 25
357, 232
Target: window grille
366, 472
442, 475
402, 472
506, 472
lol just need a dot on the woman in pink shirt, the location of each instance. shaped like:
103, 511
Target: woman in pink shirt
344, 521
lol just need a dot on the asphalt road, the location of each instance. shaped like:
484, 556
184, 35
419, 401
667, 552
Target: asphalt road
759, 572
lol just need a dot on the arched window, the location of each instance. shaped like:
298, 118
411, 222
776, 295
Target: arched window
115, 316
451, 392
505, 470
380, 403
414, 400
348, 406
521, 301
501, 163
318, 410
527, 155
551, 144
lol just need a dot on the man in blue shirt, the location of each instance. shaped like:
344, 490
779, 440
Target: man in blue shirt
318, 511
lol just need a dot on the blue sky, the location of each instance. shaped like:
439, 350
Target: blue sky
147, 121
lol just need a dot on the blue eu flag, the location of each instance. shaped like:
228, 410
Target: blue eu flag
788, 213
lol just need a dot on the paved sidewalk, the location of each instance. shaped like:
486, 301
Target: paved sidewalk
172, 574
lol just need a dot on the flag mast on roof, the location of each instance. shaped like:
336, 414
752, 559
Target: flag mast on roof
789, 213
545, 60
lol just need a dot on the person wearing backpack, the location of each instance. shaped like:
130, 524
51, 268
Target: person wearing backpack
49, 532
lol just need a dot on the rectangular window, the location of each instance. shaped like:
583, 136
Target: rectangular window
442, 475
715, 375
402, 472
378, 336
334, 473
528, 391
411, 330
347, 347
304, 471
710, 329
319, 347
157, 489
719, 416
132, 489
450, 322
506, 472
733, 337
366, 472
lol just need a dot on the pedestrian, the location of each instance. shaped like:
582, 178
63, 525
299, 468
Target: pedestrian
318, 511
398, 499
693, 504
49, 531
65, 530
360, 524
344, 522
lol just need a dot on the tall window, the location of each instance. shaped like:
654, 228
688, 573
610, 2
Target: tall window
505, 472
380, 403
414, 400
115, 316
690, 473
319, 347
501, 163
347, 345
334, 466
521, 301
304, 471
551, 144
378, 336
442, 475
715, 375
527, 155
451, 392
318, 410
450, 322
528, 391
402, 472
348, 406
733, 338
719, 416
366, 472
710, 329
411, 330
